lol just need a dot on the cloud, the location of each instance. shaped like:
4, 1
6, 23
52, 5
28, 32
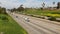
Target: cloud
9, 3
32, 3
26, 3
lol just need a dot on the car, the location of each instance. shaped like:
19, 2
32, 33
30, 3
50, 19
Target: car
27, 19
16, 16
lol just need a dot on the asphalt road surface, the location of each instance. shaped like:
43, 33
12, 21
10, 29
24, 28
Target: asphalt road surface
36, 25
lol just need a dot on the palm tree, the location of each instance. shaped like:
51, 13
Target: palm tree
53, 4
43, 5
20, 8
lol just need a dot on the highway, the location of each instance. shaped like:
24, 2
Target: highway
36, 25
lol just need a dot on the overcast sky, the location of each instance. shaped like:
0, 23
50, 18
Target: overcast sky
26, 3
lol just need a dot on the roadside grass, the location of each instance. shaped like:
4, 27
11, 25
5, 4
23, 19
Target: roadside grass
52, 13
9, 26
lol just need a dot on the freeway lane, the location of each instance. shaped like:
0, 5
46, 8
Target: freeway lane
36, 26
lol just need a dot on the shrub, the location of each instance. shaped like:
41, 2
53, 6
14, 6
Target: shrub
38, 17
2, 17
48, 16
58, 20
43, 17
31, 15
52, 18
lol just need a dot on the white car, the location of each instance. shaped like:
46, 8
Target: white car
27, 19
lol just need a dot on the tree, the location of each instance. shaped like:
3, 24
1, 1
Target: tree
21, 8
58, 5
3, 10
43, 5
53, 4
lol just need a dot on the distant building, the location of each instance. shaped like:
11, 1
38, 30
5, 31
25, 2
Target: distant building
58, 5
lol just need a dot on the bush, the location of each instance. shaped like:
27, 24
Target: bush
52, 18
31, 15
38, 17
2, 17
58, 20
48, 16
43, 17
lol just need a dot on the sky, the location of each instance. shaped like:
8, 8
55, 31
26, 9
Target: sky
27, 3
